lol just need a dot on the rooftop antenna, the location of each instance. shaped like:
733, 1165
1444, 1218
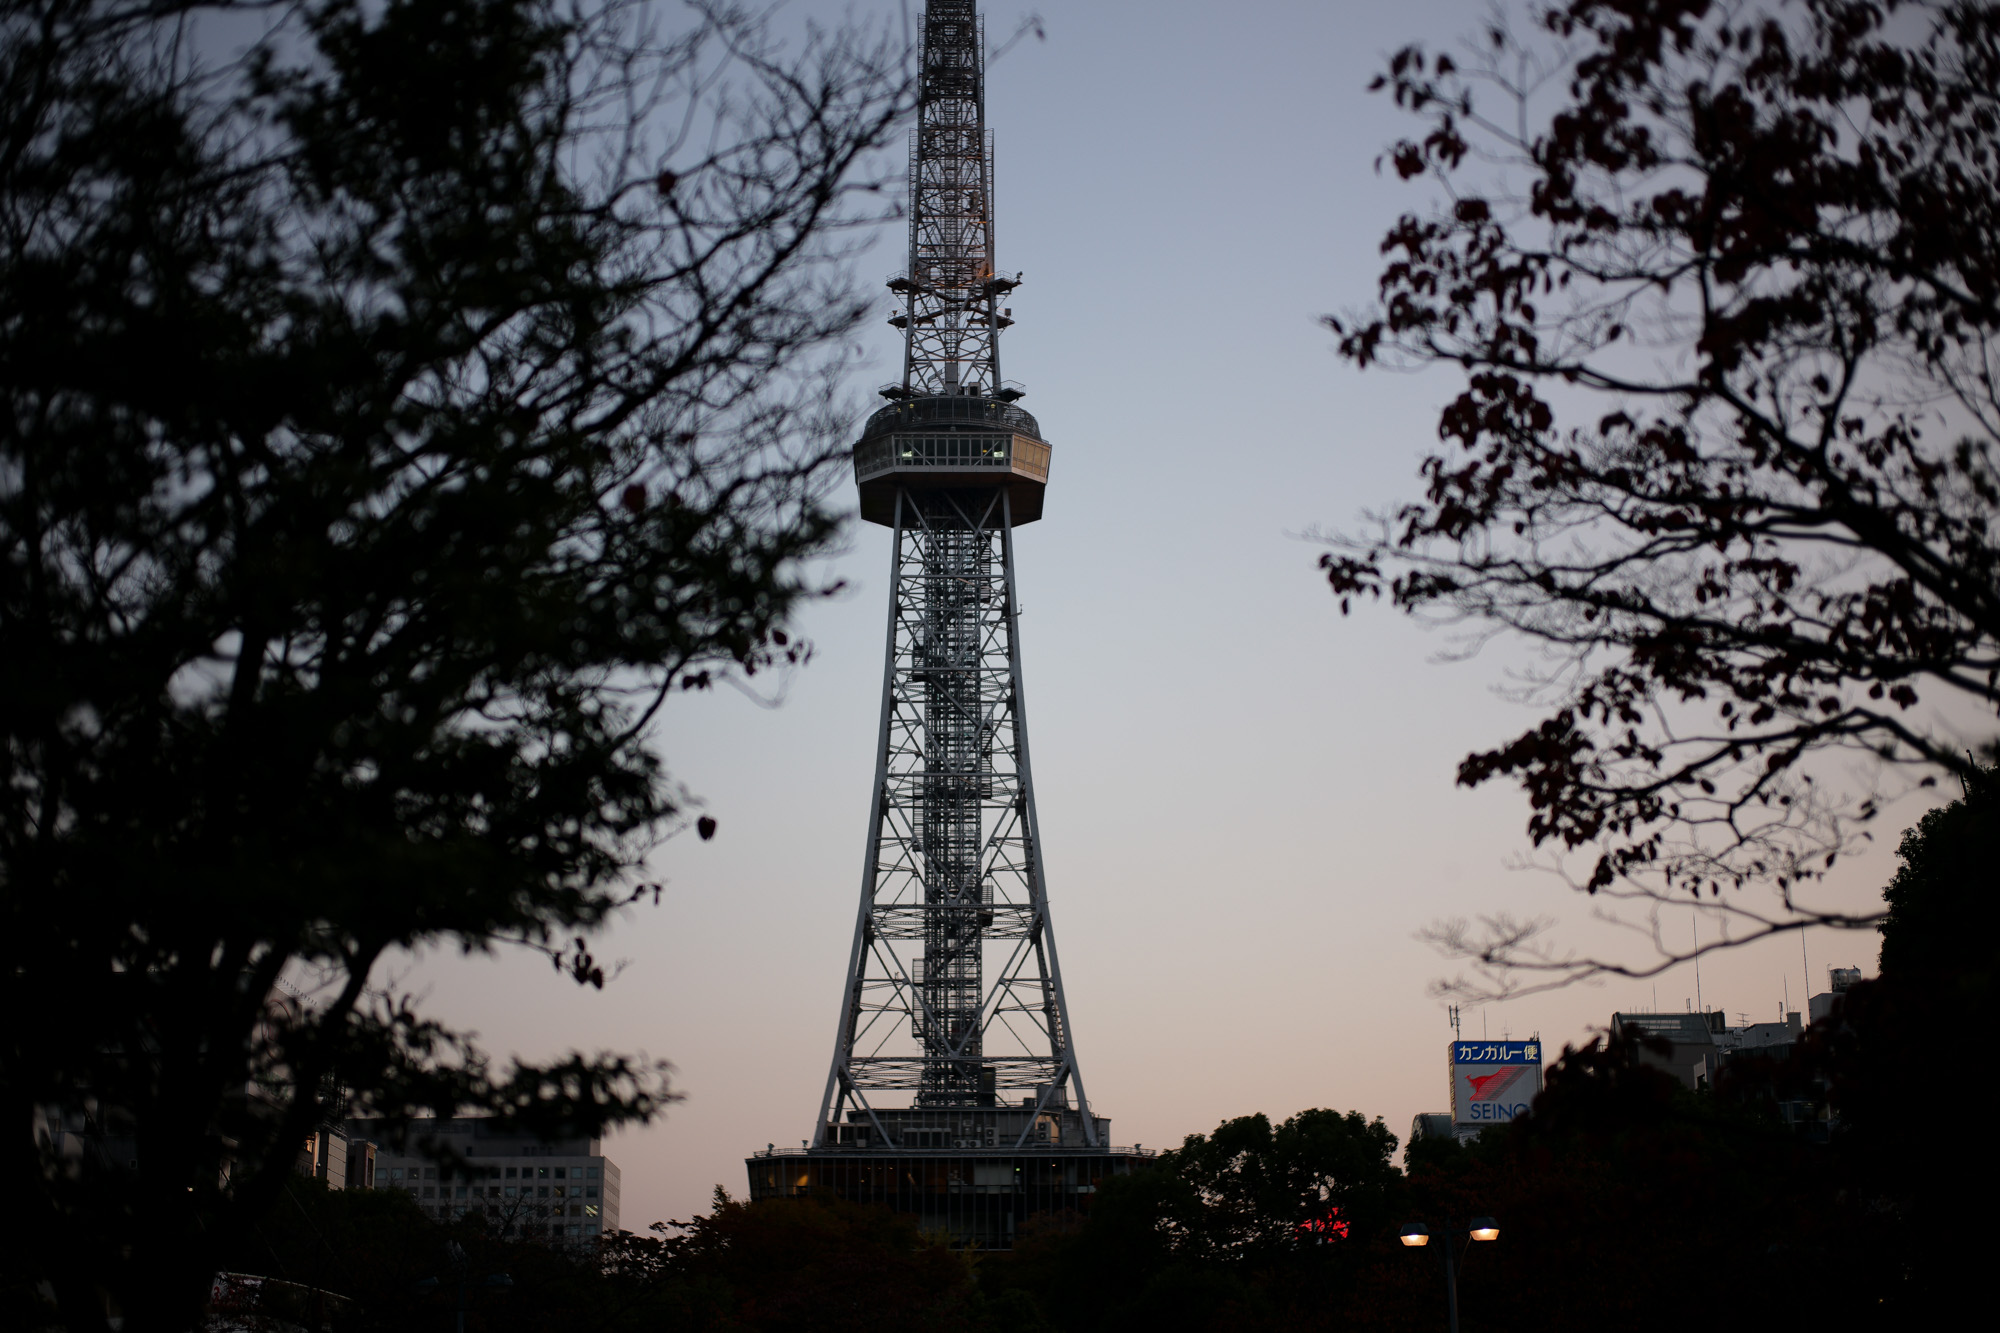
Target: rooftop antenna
1805, 967
1695, 928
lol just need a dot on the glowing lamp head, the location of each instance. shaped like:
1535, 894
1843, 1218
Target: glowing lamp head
1416, 1233
1485, 1228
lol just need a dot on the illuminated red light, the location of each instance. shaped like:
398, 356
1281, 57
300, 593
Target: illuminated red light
1330, 1226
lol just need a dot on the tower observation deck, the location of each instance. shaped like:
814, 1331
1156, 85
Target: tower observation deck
955, 1092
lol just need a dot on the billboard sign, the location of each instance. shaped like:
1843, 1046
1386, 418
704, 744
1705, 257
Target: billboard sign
1493, 1081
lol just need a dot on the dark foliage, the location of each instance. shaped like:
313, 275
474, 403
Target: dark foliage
814, 1265
1621, 1194
1898, 1053
1726, 452
1944, 913
397, 408
1254, 1225
1621, 1199
1624, 1200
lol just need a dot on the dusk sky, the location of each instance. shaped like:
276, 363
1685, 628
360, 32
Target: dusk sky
1248, 801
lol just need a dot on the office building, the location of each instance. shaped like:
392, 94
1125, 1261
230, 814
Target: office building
565, 1191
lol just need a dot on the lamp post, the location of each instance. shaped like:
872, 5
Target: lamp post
1479, 1228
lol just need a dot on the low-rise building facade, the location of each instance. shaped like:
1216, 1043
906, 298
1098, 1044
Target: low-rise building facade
566, 1191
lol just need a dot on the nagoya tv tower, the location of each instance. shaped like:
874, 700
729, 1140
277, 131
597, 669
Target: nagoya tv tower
955, 1092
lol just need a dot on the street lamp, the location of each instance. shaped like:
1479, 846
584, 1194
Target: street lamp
1479, 1228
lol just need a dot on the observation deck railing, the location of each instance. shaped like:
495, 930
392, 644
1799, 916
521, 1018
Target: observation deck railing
1021, 455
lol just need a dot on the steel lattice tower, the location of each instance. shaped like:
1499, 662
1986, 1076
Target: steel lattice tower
954, 998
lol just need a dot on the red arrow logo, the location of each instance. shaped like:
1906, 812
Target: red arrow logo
1486, 1088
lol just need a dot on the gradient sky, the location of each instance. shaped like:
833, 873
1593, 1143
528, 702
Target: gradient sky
1247, 800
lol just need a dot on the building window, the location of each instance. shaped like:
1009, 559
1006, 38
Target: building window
590, 1191
510, 1173
430, 1173
511, 1191
541, 1173
430, 1191
590, 1174
590, 1210
395, 1173
559, 1172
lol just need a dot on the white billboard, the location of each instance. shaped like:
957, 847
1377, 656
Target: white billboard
1493, 1081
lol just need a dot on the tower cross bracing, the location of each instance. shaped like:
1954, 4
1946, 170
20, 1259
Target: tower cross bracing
953, 948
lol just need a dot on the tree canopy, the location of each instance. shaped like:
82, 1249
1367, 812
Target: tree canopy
401, 401
1892, 1052
1944, 923
1254, 1225
1721, 284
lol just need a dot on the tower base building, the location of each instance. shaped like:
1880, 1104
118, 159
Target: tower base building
968, 1200
957, 1173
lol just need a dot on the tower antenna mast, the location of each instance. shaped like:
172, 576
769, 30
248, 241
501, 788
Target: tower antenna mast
952, 315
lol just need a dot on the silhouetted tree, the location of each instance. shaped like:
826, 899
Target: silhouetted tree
1944, 916
1622, 1198
807, 1263
1615, 1194
1252, 1190
817, 1263
401, 400
1252, 1226
1726, 451
1897, 1053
